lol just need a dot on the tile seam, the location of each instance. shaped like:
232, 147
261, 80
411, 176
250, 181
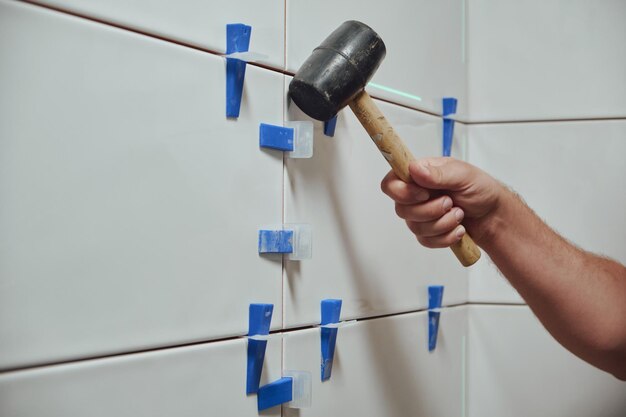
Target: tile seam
284, 71
231, 338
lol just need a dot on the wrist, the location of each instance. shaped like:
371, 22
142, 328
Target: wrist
491, 226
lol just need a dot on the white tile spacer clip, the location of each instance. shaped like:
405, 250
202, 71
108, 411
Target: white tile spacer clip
247, 56
338, 325
301, 389
302, 139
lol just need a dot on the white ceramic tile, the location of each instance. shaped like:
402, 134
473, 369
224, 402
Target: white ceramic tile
206, 379
382, 367
517, 369
194, 22
424, 40
362, 252
540, 59
130, 205
571, 173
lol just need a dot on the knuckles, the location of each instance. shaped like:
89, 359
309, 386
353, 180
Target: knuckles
424, 212
432, 230
441, 241
401, 210
384, 186
427, 243
395, 192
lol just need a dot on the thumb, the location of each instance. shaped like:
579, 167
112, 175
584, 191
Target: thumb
441, 173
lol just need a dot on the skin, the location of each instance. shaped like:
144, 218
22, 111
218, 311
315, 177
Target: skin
579, 297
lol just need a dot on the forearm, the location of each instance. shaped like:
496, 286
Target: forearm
580, 298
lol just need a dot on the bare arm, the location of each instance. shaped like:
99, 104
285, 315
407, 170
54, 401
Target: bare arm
579, 297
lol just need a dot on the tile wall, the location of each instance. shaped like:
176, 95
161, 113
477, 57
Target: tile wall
131, 204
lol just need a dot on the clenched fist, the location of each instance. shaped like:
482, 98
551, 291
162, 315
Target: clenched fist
446, 192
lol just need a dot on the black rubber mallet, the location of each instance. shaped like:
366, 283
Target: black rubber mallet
335, 75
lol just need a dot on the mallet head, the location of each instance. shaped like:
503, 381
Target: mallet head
337, 70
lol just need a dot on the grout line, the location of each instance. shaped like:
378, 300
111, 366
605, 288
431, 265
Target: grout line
464, 376
382, 316
136, 31
503, 304
283, 276
431, 113
360, 319
463, 32
115, 355
588, 119
368, 318
223, 339
285, 35
118, 26
143, 33
284, 71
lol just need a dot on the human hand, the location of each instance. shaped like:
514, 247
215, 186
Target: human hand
445, 193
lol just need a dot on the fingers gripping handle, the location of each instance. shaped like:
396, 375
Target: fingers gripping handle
399, 156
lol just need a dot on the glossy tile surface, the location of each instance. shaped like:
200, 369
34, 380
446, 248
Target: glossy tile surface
383, 367
517, 369
362, 252
425, 43
205, 379
542, 60
569, 173
130, 203
194, 22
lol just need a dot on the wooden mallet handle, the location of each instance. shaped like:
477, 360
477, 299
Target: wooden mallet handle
399, 156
